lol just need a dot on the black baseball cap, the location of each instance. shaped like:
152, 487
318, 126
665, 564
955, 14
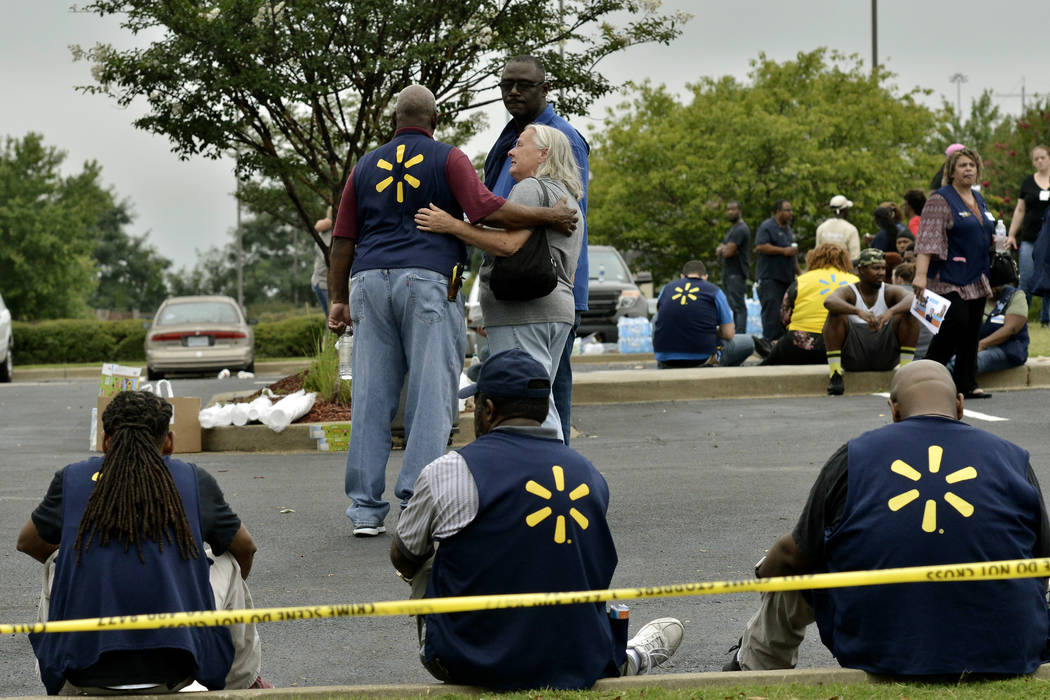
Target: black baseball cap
511, 374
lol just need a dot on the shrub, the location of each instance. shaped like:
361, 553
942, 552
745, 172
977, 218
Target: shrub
69, 341
294, 337
323, 375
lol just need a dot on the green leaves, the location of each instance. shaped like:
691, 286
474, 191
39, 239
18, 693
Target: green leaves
803, 130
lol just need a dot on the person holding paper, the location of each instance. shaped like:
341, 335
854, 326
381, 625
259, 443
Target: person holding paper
952, 259
869, 325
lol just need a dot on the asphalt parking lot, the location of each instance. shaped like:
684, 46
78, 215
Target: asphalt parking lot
699, 490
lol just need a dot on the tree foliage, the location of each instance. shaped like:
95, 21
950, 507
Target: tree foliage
48, 227
130, 271
978, 129
300, 90
802, 130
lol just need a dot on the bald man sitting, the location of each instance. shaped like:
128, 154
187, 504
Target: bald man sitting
926, 489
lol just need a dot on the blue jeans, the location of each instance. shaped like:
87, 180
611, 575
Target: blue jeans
989, 360
321, 292
406, 331
562, 387
1027, 265
545, 342
734, 352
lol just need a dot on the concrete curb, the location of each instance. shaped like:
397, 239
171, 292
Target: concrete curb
667, 681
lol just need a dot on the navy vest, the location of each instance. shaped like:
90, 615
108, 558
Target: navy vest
540, 527
1016, 348
968, 241
111, 582
924, 491
687, 318
390, 184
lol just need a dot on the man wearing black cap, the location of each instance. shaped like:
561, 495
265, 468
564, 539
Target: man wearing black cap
869, 325
517, 511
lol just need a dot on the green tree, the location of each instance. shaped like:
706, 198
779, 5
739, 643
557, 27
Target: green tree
130, 271
48, 227
979, 128
300, 90
802, 130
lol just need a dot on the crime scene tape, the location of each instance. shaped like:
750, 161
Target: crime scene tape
981, 571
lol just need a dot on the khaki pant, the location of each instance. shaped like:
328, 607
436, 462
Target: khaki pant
230, 593
773, 635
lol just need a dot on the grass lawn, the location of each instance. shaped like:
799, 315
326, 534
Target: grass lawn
986, 690
1039, 344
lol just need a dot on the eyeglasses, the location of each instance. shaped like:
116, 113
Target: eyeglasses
521, 85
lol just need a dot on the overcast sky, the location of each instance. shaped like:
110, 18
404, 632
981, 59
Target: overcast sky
188, 206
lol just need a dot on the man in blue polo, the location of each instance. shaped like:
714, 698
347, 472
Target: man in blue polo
927, 489
407, 315
694, 324
776, 265
518, 511
524, 88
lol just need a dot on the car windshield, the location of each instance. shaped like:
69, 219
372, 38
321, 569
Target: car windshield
199, 312
597, 260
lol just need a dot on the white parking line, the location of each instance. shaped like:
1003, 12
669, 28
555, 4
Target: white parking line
976, 415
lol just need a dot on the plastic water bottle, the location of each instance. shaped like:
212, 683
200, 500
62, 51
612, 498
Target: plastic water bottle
345, 345
601, 273
1000, 237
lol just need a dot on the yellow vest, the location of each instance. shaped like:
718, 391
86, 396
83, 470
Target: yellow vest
813, 288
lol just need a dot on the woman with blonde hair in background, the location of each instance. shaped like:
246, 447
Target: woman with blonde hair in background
828, 267
1033, 199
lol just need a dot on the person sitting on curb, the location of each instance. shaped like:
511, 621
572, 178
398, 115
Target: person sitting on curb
1004, 334
828, 267
926, 489
694, 324
136, 532
902, 276
518, 511
869, 325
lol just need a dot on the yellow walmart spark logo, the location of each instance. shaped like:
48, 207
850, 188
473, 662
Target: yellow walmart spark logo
534, 519
384, 164
685, 294
929, 513
829, 285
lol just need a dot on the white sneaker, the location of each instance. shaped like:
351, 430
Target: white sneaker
369, 530
655, 643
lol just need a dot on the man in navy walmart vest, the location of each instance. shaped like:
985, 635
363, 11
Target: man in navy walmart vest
927, 489
407, 316
694, 324
518, 511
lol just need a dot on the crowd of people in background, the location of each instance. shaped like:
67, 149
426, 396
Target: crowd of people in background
942, 240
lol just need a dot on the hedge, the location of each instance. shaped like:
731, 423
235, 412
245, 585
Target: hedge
69, 341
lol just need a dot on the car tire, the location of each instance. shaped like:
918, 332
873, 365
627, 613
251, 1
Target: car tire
251, 366
7, 367
153, 374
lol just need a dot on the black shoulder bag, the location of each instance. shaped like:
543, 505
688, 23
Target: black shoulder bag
530, 273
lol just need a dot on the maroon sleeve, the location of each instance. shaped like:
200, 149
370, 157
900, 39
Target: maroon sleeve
475, 199
346, 219
932, 237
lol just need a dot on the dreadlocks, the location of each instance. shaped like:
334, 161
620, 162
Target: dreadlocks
135, 497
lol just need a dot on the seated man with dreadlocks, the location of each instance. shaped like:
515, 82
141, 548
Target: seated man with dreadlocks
134, 532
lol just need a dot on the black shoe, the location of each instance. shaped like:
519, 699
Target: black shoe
733, 664
836, 387
763, 346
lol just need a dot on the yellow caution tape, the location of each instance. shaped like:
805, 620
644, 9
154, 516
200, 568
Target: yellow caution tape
986, 571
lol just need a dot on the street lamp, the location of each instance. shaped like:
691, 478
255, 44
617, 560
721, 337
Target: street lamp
958, 79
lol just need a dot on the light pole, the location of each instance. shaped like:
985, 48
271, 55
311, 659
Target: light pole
958, 79
874, 36
240, 238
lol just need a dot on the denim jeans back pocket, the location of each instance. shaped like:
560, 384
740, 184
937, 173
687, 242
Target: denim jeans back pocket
429, 297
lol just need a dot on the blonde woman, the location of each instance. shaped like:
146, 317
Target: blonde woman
1033, 199
543, 166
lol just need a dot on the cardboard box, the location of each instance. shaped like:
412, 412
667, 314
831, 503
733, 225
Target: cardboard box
185, 422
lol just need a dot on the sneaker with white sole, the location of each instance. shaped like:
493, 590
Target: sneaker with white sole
368, 530
655, 643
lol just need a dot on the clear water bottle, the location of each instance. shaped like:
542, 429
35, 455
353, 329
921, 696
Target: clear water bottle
1000, 237
345, 345
601, 273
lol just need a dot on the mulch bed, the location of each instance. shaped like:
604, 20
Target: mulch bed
324, 411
